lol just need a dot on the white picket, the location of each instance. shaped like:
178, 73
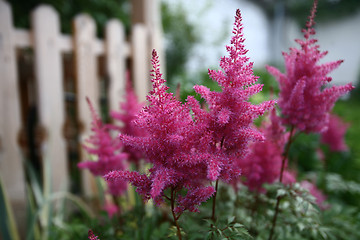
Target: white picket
11, 167
154, 26
48, 44
22, 38
87, 84
116, 53
148, 13
141, 56
50, 93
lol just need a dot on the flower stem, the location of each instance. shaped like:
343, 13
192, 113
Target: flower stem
172, 201
213, 218
286, 153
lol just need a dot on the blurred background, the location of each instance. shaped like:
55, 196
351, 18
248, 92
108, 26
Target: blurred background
190, 37
195, 33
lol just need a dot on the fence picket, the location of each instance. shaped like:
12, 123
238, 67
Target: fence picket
87, 84
11, 168
50, 93
115, 57
141, 55
48, 45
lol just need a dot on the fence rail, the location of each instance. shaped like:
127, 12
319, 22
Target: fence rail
48, 46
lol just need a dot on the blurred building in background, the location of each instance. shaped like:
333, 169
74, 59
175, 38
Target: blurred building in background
270, 27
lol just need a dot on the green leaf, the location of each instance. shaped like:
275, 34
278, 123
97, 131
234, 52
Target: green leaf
301, 226
8, 228
238, 225
230, 219
280, 193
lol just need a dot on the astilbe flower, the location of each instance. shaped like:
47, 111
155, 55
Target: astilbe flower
110, 208
335, 133
92, 236
228, 125
263, 163
304, 101
289, 177
126, 116
108, 152
315, 192
169, 146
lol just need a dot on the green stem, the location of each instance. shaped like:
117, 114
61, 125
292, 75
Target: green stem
286, 153
213, 218
172, 201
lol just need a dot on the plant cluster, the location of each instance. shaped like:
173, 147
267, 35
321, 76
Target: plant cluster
209, 157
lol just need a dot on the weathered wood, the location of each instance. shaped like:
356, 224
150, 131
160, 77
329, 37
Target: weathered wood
11, 167
22, 38
48, 44
147, 13
141, 56
87, 85
115, 58
65, 43
139, 11
154, 26
50, 93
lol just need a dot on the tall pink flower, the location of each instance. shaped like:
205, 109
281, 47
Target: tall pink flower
170, 146
304, 100
126, 116
263, 163
228, 125
108, 153
335, 133
190, 148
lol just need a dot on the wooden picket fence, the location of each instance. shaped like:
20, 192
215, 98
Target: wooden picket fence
49, 46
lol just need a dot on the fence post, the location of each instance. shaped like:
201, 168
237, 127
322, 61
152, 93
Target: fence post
50, 93
11, 167
154, 25
87, 85
148, 12
140, 61
115, 61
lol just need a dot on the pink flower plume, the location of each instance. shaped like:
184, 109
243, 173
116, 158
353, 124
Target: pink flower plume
229, 121
263, 163
107, 150
170, 144
335, 133
92, 236
129, 109
304, 99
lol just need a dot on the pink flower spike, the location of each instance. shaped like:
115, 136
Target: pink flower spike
111, 209
129, 109
289, 177
141, 181
229, 121
194, 198
107, 151
263, 163
313, 190
92, 236
304, 100
335, 133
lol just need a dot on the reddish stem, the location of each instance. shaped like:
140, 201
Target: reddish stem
213, 218
172, 201
286, 153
